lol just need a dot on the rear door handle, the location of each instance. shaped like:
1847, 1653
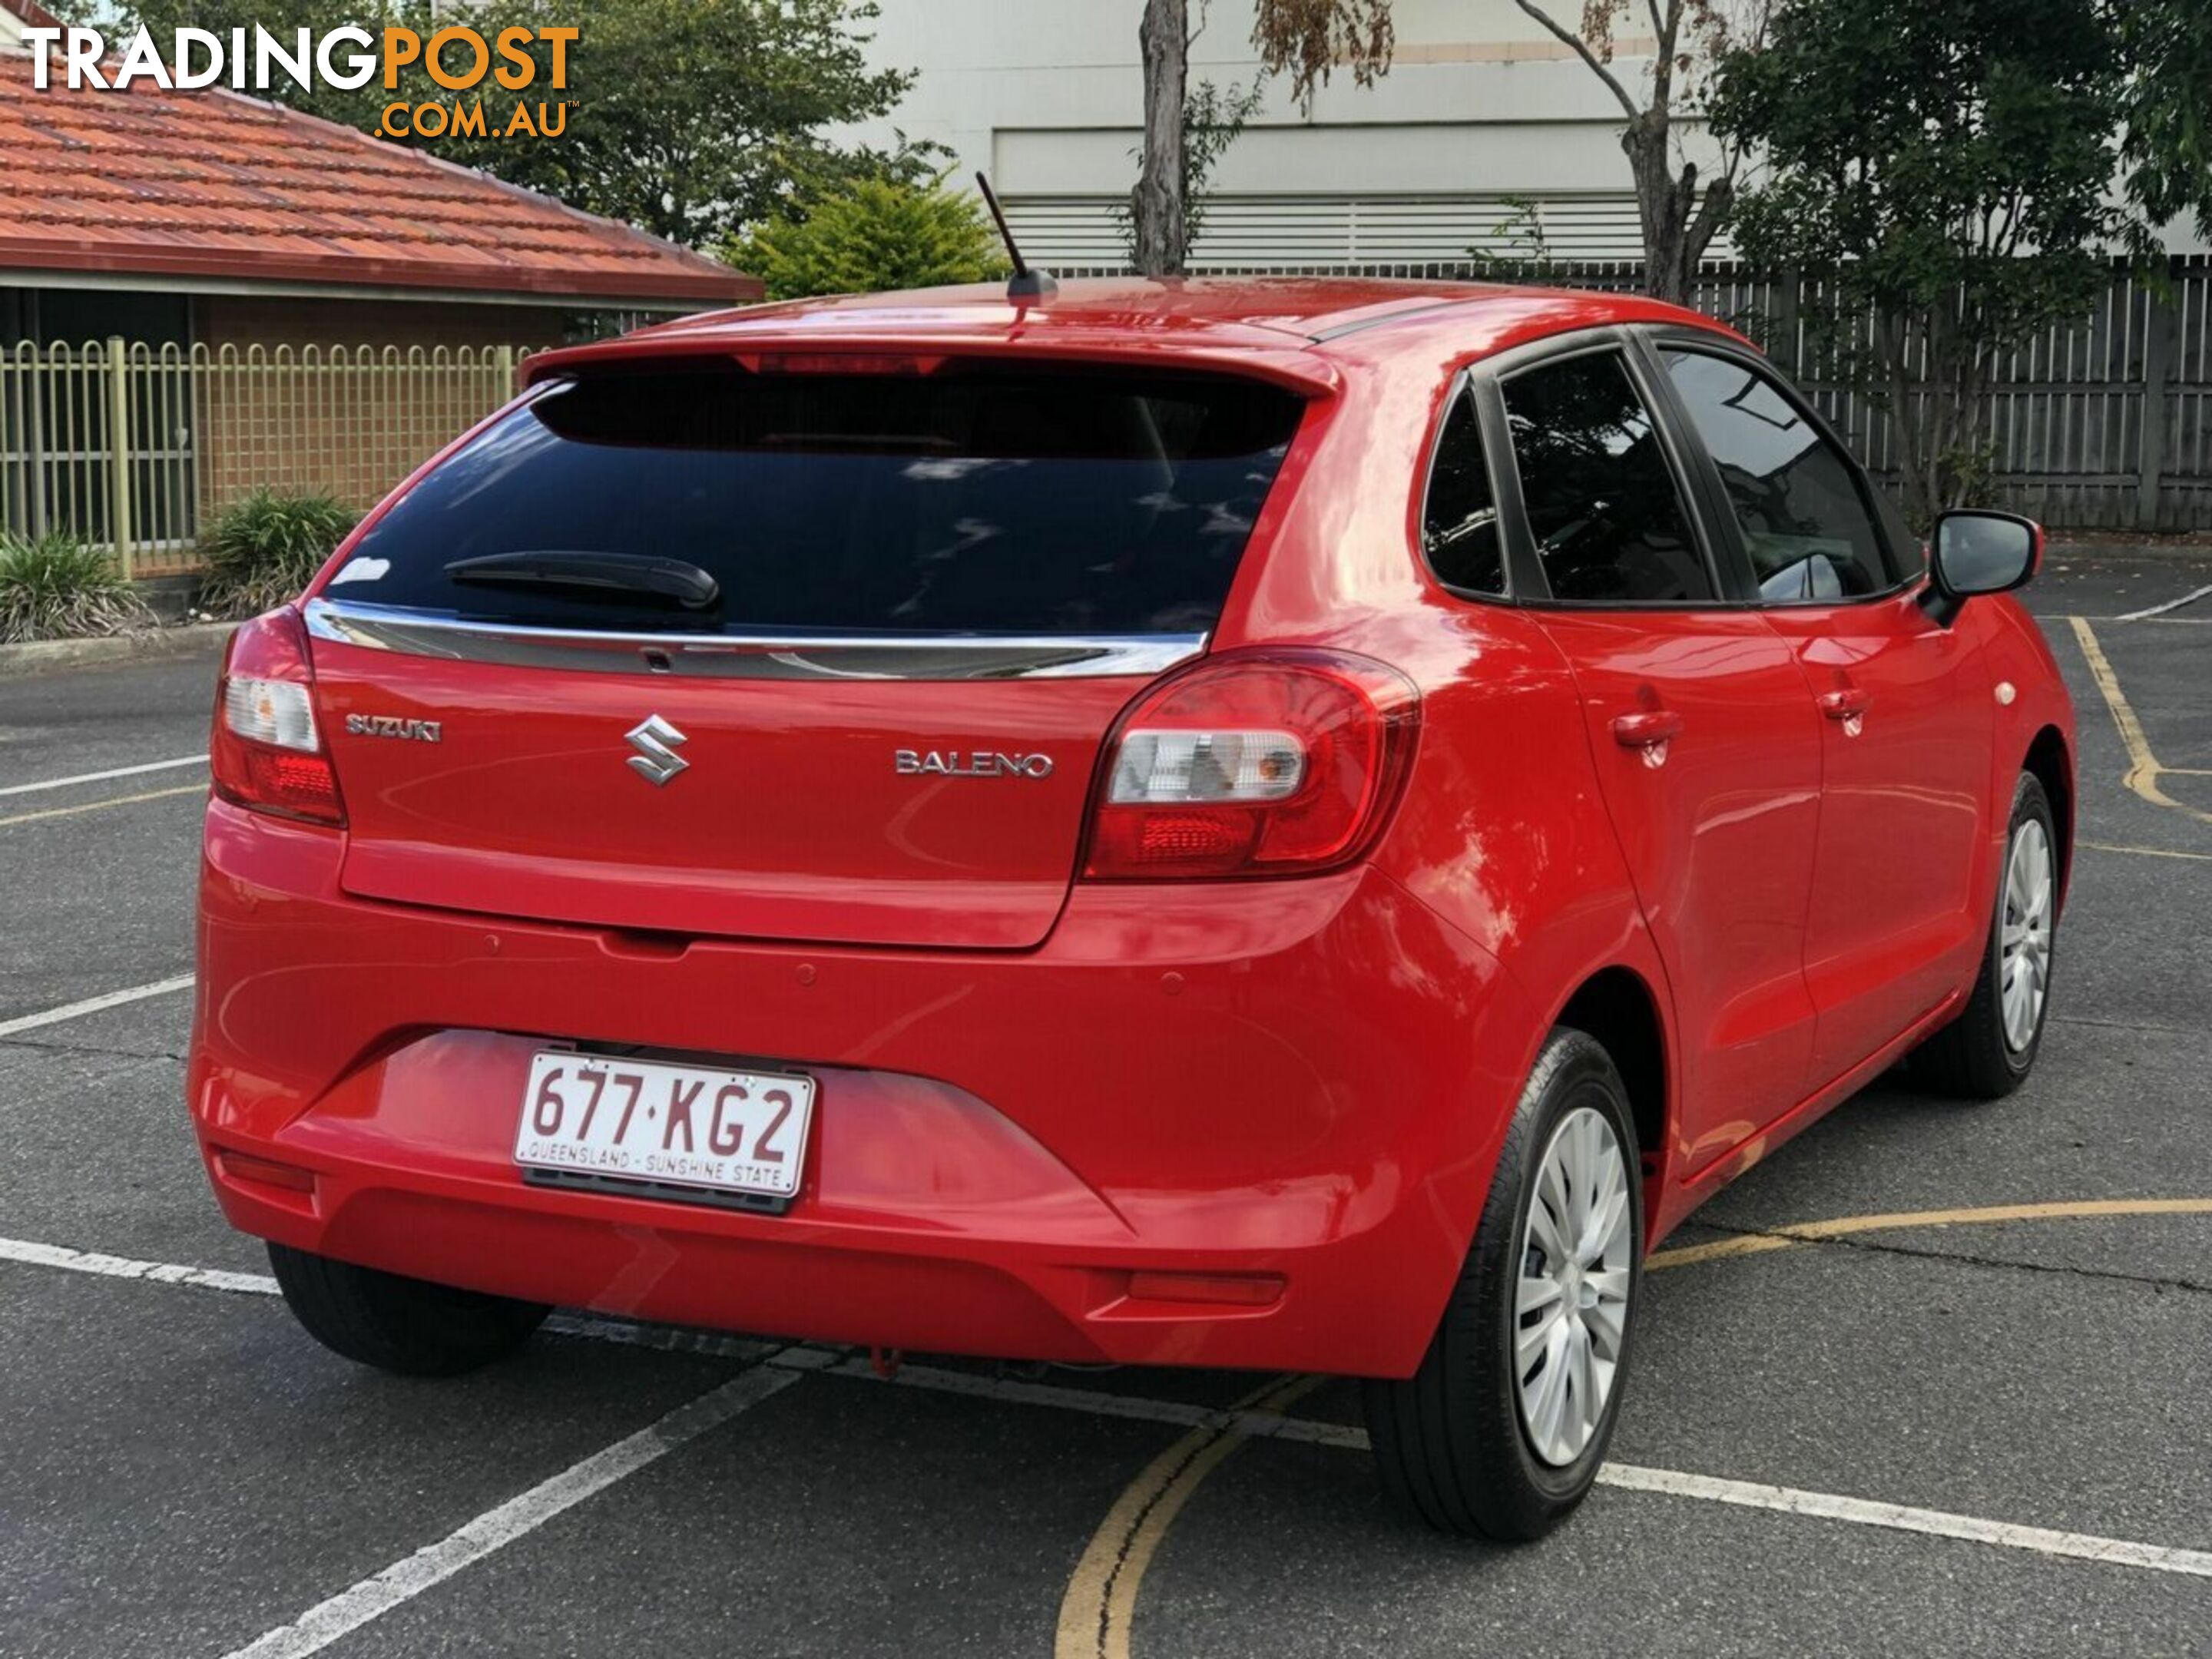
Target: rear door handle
1849, 703
1645, 727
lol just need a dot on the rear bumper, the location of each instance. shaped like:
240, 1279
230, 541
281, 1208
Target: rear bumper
1301, 1084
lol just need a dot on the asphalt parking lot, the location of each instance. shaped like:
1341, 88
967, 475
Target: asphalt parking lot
1973, 1417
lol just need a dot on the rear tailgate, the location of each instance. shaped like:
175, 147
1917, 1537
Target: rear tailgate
934, 592
792, 816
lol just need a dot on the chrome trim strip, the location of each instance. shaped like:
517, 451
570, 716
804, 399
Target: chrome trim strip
752, 656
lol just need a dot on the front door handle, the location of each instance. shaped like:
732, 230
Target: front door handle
1645, 727
1849, 703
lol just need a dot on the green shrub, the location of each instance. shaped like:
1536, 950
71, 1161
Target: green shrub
871, 234
263, 549
58, 588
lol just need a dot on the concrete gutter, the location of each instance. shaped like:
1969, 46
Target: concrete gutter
40, 656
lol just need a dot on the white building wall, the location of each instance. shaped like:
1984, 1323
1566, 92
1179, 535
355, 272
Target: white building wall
1481, 105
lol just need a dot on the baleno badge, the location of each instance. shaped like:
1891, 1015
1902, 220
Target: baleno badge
976, 763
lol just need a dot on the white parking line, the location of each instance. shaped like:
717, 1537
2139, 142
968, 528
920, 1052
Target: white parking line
791, 1363
587, 1328
404, 1580
102, 777
123, 1266
1900, 1517
160, 987
2171, 604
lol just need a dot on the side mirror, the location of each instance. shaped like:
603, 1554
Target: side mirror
1984, 553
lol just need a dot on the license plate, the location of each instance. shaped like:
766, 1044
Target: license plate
589, 1120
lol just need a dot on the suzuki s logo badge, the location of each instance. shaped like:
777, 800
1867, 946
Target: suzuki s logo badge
655, 741
977, 763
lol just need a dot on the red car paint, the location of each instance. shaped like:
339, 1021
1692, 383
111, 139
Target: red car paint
1234, 1116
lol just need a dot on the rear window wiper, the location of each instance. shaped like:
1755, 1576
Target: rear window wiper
629, 574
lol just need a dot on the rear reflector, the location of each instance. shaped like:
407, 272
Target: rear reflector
264, 1172
1271, 762
265, 753
1227, 1290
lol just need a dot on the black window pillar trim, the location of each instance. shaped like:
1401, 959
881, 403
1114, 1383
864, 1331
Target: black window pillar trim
1526, 579
1524, 567
1738, 580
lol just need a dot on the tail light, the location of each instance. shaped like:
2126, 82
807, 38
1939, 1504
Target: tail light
1275, 763
266, 753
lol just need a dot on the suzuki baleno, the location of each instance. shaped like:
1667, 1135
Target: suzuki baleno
1292, 824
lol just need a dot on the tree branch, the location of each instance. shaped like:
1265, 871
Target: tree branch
1712, 208
1583, 50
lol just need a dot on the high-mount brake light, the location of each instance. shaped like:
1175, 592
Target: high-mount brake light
265, 753
1270, 763
839, 362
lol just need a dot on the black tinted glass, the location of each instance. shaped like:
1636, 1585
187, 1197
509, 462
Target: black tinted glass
1805, 524
1609, 526
972, 499
1459, 528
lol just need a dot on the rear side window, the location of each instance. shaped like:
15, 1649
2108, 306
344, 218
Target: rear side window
1809, 529
1459, 525
1609, 525
974, 499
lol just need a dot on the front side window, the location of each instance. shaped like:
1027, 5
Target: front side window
1458, 527
1609, 524
1805, 524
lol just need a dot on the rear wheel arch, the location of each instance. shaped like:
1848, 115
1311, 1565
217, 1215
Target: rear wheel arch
2052, 763
1619, 1009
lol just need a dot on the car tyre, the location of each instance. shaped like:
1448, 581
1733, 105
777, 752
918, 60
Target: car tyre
1469, 1443
395, 1324
1989, 1050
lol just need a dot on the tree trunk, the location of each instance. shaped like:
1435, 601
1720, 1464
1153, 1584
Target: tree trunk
1662, 206
1892, 343
1158, 207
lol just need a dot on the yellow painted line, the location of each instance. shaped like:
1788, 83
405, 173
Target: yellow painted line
2142, 852
1812, 1232
96, 805
2143, 769
1100, 1601
1099, 1606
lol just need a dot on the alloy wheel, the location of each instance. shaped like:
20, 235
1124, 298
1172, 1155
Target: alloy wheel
1572, 1303
2024, 963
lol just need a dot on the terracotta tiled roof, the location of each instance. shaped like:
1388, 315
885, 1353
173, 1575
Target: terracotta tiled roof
29, 12
211, 184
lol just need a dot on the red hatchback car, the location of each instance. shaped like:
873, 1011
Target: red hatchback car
1293, 824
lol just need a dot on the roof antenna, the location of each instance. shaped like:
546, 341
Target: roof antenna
1027, 283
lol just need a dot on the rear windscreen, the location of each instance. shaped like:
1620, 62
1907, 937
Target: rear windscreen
974, 498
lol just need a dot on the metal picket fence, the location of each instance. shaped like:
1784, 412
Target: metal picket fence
2103, 423
136, 448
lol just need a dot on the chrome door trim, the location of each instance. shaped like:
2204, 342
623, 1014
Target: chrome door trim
752, 656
